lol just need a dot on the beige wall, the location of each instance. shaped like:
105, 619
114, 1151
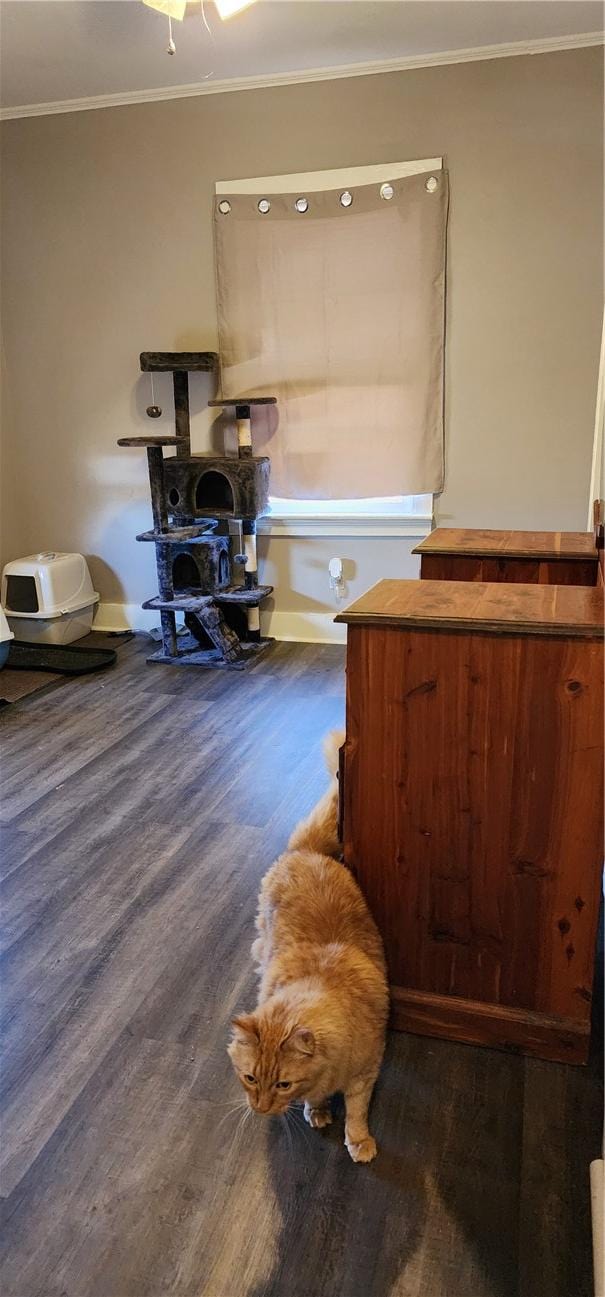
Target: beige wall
107, 251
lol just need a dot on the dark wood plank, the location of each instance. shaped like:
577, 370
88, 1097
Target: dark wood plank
464, 605
255, 1210
473, 816
71, 736
129, 908
560, 1128
78, 997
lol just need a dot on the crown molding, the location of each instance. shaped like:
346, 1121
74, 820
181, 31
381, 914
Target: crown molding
513, 49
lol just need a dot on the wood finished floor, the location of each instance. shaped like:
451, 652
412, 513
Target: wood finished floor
140, 810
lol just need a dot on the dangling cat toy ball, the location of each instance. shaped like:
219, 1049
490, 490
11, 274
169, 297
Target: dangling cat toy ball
153, 411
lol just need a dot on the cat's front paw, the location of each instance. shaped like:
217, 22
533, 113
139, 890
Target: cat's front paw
365, 1151
318, 1117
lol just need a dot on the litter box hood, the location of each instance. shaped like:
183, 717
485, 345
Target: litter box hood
49, 597
6, 635
47, 585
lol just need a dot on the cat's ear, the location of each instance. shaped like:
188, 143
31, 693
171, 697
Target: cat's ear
245, 1028
302, 1040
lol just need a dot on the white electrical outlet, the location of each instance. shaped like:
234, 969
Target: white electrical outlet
336, 577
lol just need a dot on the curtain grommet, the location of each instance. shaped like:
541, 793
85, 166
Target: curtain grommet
302, 204
345, 199
264, 206
224, 207
431, 184
386, 191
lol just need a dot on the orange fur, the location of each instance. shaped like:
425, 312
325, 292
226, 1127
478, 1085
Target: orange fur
319, 831
319, 1023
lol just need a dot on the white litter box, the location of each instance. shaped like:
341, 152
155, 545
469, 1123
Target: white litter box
6, 635
48, 598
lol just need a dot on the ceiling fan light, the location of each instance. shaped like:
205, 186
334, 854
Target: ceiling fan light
226, 8
174, 8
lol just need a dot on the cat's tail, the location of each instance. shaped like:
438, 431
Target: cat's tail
331, 748
319, 831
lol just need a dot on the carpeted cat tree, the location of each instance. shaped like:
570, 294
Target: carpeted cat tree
193, 500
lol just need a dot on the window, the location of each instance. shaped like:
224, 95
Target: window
387, 506
388, 514
393, 515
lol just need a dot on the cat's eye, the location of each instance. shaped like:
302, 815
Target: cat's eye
283, 1085
250, 1079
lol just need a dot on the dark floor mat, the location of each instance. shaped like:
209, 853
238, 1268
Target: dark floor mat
59, 659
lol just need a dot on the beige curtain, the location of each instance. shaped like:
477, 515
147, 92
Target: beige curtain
339, 312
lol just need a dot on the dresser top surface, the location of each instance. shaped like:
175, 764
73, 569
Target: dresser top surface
509, 544
477, 605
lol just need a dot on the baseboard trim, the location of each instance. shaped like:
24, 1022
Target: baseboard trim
518, 1031
302, 627
124, 616
597, 1207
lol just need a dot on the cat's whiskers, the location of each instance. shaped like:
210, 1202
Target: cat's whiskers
299, 1123
224, 1103
286, 1127
241, 1108
239, 1128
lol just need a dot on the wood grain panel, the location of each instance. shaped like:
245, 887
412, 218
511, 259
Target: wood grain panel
461, 567
473, 821
465, 605
514, 1030
523, 544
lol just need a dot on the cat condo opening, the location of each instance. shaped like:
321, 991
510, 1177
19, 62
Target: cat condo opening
214, 491
185, 574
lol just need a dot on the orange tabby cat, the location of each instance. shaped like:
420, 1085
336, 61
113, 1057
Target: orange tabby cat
319, 1024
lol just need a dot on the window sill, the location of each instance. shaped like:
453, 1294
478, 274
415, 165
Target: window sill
355, 525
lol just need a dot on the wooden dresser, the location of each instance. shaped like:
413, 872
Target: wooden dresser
472, 804
546, 557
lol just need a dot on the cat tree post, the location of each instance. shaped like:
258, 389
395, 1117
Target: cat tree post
180, 385
243, 419
155, 465
244, 430
180, 364
251, 578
